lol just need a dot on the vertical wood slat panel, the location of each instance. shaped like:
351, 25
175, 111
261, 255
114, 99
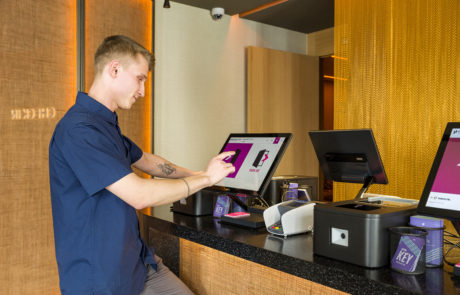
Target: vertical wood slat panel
134, 19
401, 62
283, 96
37, 86
208, 271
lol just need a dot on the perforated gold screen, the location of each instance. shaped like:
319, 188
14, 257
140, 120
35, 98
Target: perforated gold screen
400, 64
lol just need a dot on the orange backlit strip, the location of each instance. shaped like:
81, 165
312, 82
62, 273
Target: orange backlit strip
339, 57
335, 78
147, 134
262, 7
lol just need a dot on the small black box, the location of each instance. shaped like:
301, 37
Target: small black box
198, 204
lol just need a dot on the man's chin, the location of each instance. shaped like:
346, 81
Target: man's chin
126, 107
128, 104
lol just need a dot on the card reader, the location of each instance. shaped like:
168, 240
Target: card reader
289, 218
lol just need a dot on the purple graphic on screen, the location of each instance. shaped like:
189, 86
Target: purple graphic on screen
447, 178
277, 139
240, 156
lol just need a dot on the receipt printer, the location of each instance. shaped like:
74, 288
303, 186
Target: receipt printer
198, 204
289, 218
356, 231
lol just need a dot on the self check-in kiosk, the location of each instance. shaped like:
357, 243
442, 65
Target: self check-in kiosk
356, 230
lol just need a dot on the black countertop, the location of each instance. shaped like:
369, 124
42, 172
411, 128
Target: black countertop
294, 255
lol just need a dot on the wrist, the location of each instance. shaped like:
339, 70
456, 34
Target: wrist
193, 173
207, 179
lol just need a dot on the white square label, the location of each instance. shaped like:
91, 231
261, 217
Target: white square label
339, 236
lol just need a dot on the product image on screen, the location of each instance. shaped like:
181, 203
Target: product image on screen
256, 158
445, 192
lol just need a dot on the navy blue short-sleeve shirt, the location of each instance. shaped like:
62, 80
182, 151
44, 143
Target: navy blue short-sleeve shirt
98, 245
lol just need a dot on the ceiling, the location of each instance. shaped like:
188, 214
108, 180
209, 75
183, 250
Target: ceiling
304, 16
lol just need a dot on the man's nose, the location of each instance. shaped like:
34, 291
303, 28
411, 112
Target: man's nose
142, 90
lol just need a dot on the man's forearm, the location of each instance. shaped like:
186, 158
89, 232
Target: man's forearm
183, 187
159, 167
170, 170
142, 192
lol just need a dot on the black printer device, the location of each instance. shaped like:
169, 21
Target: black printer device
355, 231
199, 204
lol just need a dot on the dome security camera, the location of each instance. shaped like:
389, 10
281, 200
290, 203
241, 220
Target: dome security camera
217, 13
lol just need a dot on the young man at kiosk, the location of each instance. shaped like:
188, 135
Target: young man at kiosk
95, 193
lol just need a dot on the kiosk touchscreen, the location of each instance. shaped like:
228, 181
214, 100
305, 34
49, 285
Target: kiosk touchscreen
349, 156
256, 157
441, 195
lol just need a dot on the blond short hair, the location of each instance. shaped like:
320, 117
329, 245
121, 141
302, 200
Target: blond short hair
119, 47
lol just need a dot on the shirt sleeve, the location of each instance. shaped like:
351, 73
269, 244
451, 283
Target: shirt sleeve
95, 158
134, 151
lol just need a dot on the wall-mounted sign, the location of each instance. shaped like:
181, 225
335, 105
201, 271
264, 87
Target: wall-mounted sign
33, 113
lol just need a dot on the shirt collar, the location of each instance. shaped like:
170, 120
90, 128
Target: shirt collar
94, 106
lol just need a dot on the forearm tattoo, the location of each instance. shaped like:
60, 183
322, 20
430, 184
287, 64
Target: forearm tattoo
167, 168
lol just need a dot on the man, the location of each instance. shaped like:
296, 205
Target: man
95, 193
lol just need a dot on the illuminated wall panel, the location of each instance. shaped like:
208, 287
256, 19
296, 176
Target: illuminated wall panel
401, 60
37, 86
38, 54
134, 19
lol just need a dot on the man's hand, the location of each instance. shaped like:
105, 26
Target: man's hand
217, 169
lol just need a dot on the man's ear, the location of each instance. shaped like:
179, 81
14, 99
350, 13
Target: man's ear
114, 68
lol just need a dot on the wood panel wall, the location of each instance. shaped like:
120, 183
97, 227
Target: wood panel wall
208, 271
38, 54
283, 96
400, 69
134, 19
37, 86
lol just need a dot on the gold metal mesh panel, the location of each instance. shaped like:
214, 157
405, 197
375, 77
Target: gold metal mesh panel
400, 64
